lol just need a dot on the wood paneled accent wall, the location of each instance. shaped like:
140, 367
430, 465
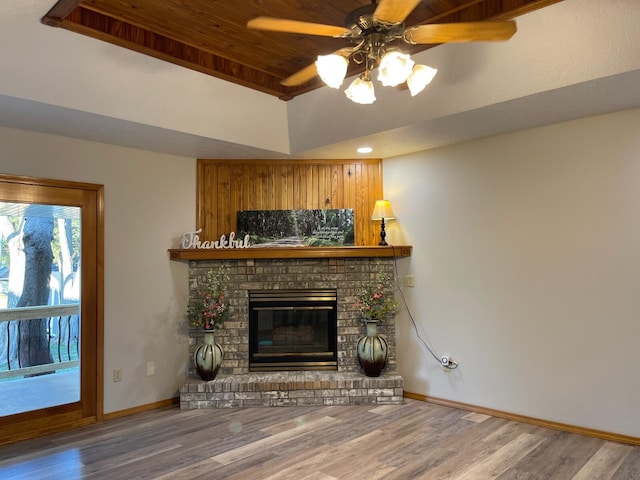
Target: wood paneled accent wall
228, 186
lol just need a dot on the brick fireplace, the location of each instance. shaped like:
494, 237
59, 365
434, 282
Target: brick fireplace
237, 386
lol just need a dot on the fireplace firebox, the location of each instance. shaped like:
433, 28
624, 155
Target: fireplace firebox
293, 330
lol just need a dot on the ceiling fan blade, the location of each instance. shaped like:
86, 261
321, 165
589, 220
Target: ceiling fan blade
461, 32
310, 71
394, 11
292, 26
301, 76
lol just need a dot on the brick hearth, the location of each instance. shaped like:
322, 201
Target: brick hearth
280, 389
236, 386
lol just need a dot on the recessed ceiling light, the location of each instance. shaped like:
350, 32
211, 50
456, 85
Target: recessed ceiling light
365, 150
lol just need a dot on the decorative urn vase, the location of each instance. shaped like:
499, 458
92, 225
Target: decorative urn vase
373, 350
208, 356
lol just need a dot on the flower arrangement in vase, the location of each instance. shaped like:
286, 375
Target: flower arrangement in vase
208, 313
375, 301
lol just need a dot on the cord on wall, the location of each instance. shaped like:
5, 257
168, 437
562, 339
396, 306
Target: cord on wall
445, 360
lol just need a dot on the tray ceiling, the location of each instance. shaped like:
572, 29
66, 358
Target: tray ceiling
210, 36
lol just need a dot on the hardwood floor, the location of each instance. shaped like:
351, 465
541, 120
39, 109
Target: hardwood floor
416, 440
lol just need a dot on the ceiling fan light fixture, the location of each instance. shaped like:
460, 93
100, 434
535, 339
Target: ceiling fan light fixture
371, 29
395, 67
361, 90
420, 77
332, 69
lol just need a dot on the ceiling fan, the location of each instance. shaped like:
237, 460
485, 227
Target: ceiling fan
371, 29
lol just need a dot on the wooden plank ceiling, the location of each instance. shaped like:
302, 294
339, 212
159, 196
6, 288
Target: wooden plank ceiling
210, 36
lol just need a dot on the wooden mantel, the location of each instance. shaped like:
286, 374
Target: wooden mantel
289, 252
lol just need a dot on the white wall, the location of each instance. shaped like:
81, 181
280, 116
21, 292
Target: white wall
527, 270
149, 203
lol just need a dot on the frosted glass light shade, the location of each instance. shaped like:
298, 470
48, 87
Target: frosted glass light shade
332, 69
394, 68
420, 78
361, 91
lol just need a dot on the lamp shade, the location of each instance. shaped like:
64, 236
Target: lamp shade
420, 78
361, 91
394, 68
332, 69
382, 210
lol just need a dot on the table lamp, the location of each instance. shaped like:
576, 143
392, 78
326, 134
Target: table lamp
382, 210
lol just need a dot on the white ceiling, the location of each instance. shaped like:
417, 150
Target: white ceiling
558, 67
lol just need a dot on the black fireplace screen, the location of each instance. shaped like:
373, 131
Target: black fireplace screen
292, 330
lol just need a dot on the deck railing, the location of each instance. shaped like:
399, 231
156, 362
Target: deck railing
63, 332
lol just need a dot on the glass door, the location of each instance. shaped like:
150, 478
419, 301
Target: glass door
50, 306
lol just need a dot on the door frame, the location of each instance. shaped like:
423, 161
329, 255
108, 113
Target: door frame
90, 409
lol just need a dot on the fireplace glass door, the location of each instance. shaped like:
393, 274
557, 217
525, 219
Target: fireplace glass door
292, 330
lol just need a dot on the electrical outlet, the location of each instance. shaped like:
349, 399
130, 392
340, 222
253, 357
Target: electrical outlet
448, 363
151, 369
409, 281
117, 375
